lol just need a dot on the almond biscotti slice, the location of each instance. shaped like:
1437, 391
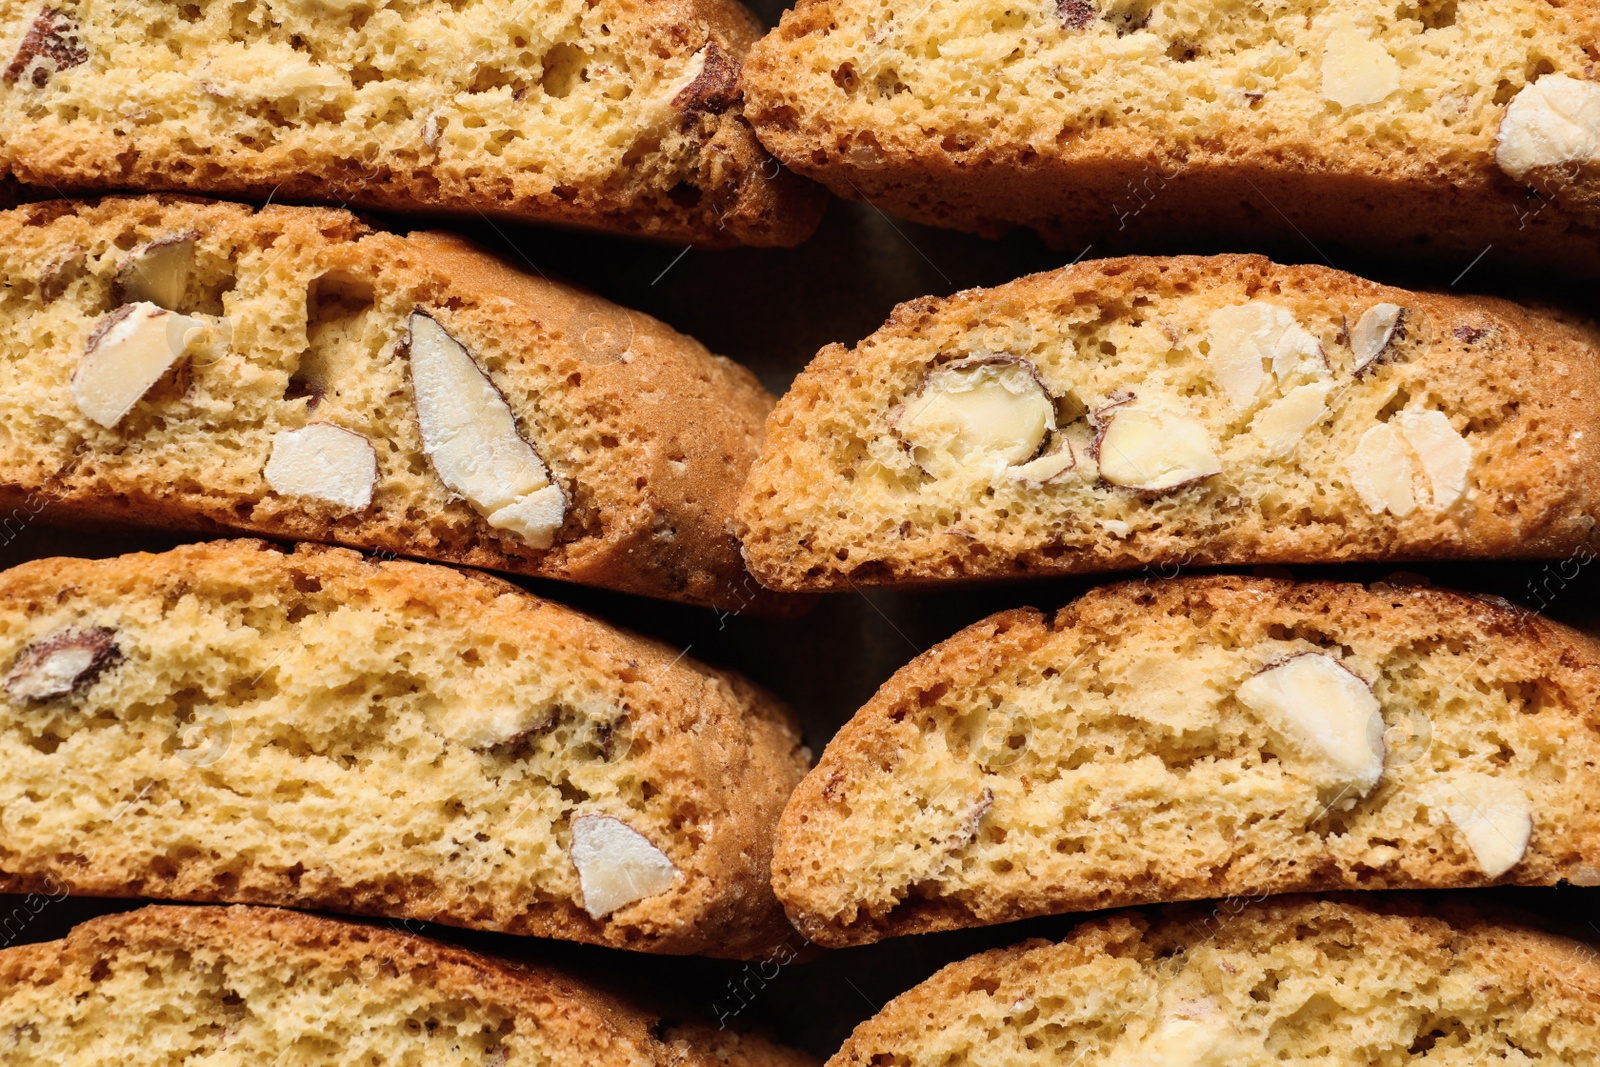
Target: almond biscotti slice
1202, 737
1186, 410
604, 115
260, 987
1429, 129
195, 364
229, 722
1298, 982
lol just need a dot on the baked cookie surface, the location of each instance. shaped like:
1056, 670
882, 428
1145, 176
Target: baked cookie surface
320, 730
1185, 410
612, 116
1431, 129
1202, 737
1285, 981
199, 365
260, 987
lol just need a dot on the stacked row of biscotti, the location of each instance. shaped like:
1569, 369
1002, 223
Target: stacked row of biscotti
1428, 128
241, 723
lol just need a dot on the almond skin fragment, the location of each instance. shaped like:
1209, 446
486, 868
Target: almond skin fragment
127, 354
1327, 713
1076, 14
986, 413
1048, 468
617, 865
471, 438
1376, 332
62, 662
715, 88
159, 272
50, 46
1153, 449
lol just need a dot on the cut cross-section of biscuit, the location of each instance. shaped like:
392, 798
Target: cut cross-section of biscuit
1446, 127
605, 115
198, 365
318, 730
261, 987
1202, 737
1243, 984
1178, 411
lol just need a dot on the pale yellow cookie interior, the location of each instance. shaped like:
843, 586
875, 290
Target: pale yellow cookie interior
166, 1005
298, 326
1304, 983
1114, 757
1343, 83
600, 115
396, 739
1286, 467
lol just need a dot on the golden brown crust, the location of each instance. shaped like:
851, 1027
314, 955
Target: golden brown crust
873, 744
1539, 973
669, 428
725, 748
707, 424
1126, 183
1490, 357
741, 195
590, 1022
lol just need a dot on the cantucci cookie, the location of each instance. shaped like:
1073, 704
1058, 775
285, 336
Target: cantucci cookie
199, 365
1202, 737
259, 987
1255, 985
320, 730
1434, 128
1186, 410
608, 116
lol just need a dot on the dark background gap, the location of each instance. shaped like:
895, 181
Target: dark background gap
772, 310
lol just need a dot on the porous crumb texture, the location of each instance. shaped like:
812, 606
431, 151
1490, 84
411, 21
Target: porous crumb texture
1372, 123
1292, 981
613, 116
1108, 756
1290, 401
647, 435
257, 987
315, 729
